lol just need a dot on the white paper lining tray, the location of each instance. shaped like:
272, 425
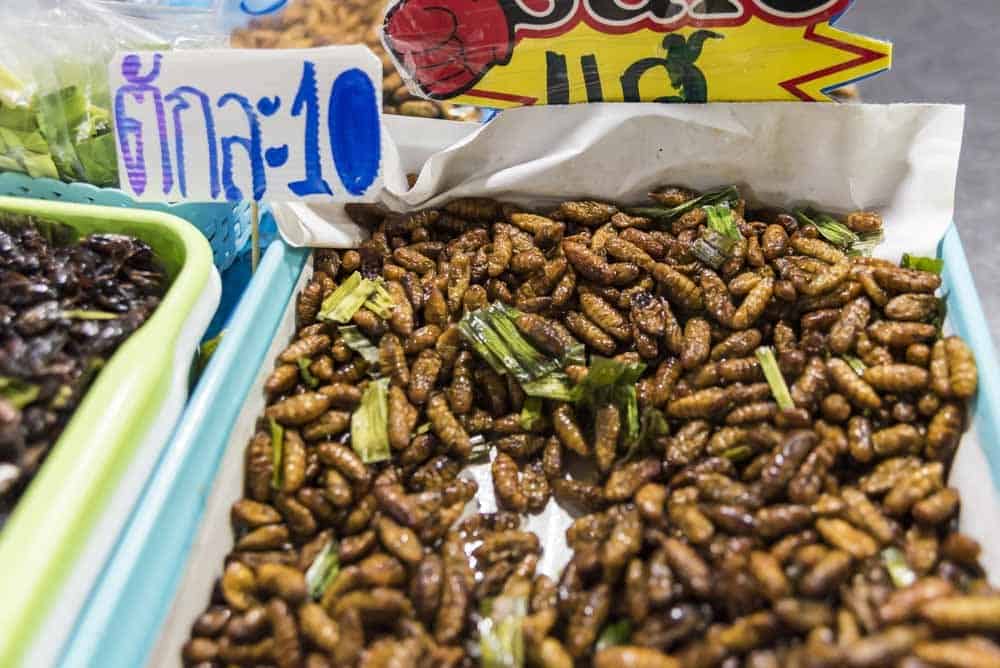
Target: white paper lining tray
162, 575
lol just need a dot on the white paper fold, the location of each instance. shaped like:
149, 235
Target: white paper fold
899, 159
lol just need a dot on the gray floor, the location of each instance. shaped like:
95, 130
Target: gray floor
948, 52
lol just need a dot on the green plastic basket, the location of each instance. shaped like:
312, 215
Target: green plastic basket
55, 542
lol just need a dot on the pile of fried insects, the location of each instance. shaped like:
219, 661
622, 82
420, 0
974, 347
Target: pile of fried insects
65, 307
759, 418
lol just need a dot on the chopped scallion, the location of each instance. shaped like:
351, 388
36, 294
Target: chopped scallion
899, 570
931, 264
310, 380
856, 364
277, 452
531, 413
729, 195
341, 305
18, 392
324, 570
370, 423
359, 343
779, 389
501, 641
616, 633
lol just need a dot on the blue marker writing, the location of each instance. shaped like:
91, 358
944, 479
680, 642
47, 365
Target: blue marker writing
252, 145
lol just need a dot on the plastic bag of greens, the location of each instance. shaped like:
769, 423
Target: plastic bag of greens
55, 118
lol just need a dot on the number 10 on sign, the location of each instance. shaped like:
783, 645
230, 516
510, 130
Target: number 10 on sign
242, 124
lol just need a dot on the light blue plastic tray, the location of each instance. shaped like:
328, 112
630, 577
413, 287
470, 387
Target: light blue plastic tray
127, 609
227, 227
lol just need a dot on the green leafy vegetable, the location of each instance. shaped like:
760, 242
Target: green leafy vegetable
501, 641
616, 633
359, 343
729, 195
609, 381
76, 314
207, 349
380, 303
652, 425
531, 412
324, 570
18, 392
722, 220
856, 364
779, 389
370, 423
829, 228
311, 381
493, 335
931, 264
738, 454
866, 244
556, 386
277, 452
899, 571
341, 305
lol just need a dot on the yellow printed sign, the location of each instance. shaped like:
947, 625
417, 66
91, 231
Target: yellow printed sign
504, 53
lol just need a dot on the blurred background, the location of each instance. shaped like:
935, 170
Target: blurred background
948, 52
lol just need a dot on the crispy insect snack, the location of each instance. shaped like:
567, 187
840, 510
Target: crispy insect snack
751, 423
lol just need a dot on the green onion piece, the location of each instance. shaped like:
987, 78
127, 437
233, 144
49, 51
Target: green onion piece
341, 305
609, 381
555, 386
531, 412
359, 343
829, 228
856, 364
866, 244
652, 425
494, 337
899, 571
738, 454
765, 355
61, 398
707, 253
931, 264
380, 303
424, 428
310, 380
324, 570
501, 642
576, 354
81, 314
370, 423
729, 195
722, 220
18, 392
207, 349
616, 633
277, 452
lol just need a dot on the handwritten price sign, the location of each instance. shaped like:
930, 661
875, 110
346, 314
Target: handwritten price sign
248, 124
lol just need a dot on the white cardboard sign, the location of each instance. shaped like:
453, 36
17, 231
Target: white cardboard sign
235, 124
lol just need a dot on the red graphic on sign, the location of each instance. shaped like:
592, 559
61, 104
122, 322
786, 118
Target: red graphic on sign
448, 45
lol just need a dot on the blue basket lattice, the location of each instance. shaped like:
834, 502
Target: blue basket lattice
226, 226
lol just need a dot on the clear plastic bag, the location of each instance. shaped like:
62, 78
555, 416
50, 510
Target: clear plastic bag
55, 110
